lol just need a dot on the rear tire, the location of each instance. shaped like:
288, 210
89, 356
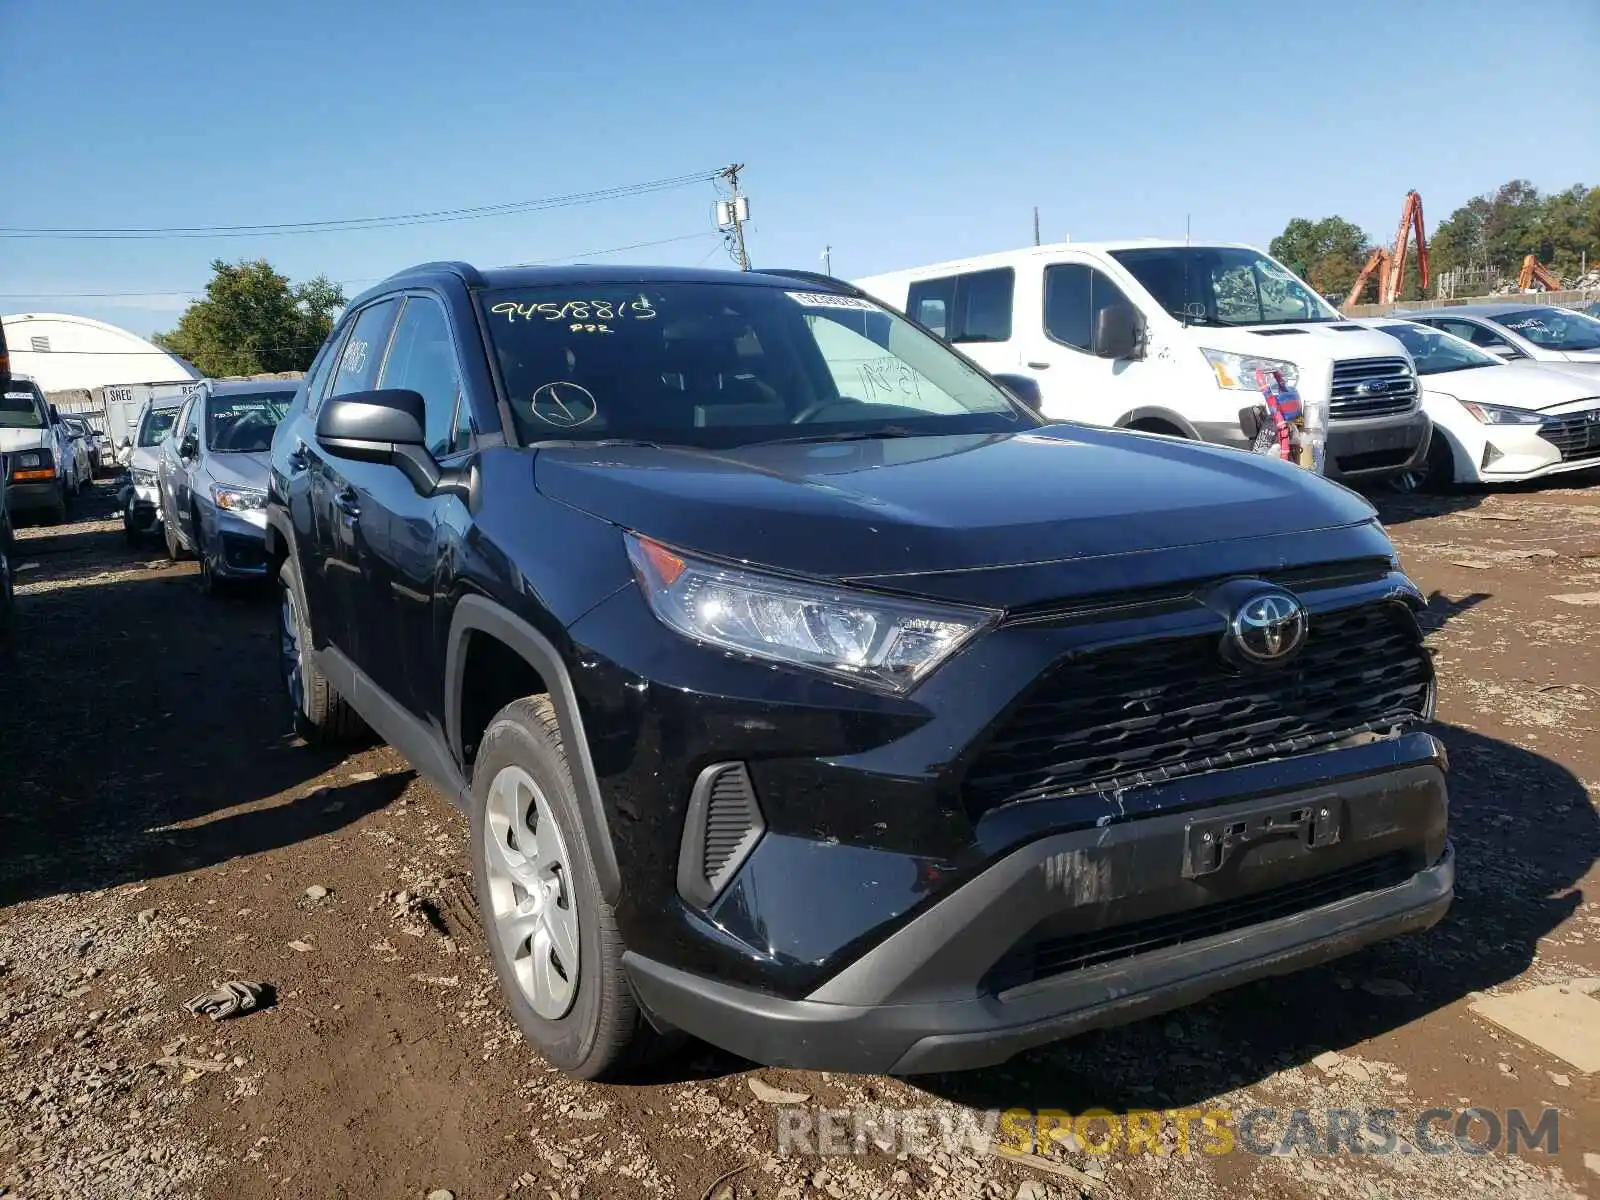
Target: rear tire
320, 714
522, 788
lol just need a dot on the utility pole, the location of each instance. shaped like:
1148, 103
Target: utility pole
1035, 224
734, 212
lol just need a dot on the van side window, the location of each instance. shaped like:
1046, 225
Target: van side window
1074, 294
930, 302
975, 307
983, 306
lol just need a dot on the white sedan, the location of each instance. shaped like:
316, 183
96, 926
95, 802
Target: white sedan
1494, 422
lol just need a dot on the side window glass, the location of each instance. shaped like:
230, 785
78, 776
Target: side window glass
983, 304
423, 360
1066, 304
317, 381
1103, 293
930, 303
362, 353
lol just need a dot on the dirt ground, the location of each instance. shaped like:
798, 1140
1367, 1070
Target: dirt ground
161, 829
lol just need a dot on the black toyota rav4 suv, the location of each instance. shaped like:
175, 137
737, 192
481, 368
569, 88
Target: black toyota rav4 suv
811, 695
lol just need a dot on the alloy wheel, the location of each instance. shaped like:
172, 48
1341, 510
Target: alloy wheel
290, 657
533, 909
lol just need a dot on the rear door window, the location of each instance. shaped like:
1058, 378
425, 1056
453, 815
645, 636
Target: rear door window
362, 354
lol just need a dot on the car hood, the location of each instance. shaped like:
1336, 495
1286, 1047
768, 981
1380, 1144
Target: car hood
1525, 385
1331, 341
919, 514
240, 468
13, 440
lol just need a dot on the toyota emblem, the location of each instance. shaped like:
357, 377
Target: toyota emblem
1269, 627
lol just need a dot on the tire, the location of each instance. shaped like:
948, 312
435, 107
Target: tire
320, 714
175, 548
56, 514
1437, 473
600, 1032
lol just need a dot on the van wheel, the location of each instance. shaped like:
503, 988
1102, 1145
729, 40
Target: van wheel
1436, 474
320, 714
553, 939
56, 514
1152, 425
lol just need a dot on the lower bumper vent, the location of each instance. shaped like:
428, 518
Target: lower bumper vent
723, 825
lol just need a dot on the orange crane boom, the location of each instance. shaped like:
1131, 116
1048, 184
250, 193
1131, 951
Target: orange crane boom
1534, 270
1390, 264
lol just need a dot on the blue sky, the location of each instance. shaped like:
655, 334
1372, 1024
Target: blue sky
898, 133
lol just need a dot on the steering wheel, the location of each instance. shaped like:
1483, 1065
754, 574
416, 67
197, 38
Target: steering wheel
811, 411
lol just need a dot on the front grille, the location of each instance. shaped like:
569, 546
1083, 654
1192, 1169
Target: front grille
1033, 960
1576, 435
1132, 715
1371, 387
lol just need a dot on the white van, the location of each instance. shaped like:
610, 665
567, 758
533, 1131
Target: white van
1167, 337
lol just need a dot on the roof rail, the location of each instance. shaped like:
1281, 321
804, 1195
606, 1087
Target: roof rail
833, 282
468, 273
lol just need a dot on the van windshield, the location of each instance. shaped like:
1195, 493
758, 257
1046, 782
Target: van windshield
1224, 285
711, 364
19, 409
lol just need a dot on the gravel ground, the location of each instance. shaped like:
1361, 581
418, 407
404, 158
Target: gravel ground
163, 830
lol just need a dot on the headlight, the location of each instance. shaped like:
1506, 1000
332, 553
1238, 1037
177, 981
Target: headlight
873, 640
1498, 414
1237, 372
143, 477
236, 499
24, 461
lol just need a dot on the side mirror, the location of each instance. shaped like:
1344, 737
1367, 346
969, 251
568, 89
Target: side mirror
1024, 389
55, 415
1118, 330
189, 447
127, 443
385, 426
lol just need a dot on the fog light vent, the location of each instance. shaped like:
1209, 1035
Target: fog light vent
723, 825
1491, 453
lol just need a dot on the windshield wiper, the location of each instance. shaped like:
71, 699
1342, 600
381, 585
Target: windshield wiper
848, 435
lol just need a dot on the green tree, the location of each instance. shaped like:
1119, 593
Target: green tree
1327, 254
1500, 228
253, 320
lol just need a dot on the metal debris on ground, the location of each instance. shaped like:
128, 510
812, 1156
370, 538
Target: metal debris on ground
231, 999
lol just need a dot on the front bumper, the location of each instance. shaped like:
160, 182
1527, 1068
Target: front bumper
31, 496
236, 543
141, 508
1100, 926
1379, 448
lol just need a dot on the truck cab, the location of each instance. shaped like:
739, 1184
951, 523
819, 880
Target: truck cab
1168, 337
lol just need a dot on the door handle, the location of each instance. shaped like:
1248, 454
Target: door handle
1039, 366
348, 501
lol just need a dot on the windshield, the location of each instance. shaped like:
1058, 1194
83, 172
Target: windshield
19, 408
1221, 285
1553, 328
725, 364
245, 422
155, 425
1435, 352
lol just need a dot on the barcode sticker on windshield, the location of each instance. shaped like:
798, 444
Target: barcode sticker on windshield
829, 300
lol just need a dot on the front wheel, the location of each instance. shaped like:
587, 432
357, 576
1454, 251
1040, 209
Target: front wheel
1436, 473
320, 714
553, 938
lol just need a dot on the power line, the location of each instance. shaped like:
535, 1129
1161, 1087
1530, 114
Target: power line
188, 292
354, 224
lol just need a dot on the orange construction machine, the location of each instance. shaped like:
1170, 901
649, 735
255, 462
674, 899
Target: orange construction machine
1390, 265
1534, 271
